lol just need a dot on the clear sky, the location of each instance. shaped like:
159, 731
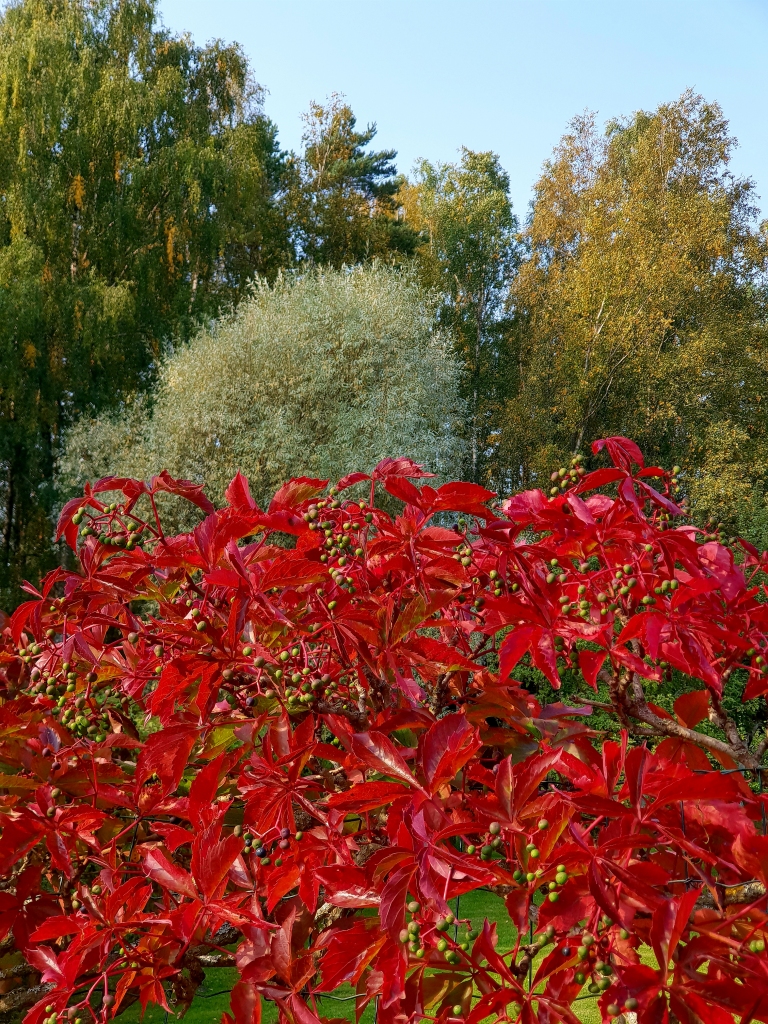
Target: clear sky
505, 75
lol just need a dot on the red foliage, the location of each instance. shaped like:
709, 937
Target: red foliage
340, 751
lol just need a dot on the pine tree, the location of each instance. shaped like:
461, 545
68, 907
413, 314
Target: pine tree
343, 196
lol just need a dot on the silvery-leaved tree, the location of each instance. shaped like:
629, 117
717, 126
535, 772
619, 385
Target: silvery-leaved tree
320, 373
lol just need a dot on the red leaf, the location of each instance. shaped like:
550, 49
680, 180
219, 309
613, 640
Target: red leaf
159, 869
292, 571
347, 886
65, 527
183, 488
296, 491
590, 663
544, 658
45, 960
623, 452
636, 769
410, 618
692, 708
21, 617
202, 792
245, 1003
670, 920
393, 897
403, 489
445, 655
238, 494
462, 497
399, 467
212, 858
19, 836
579, 508
485, 949
598, 478
165, 754
350, 480
377, 751
606, 897
514, 646
301, 1012
348, 949
366, 796
518, 904
446, 748
57, 928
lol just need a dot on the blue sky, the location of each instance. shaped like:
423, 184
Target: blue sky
505, 75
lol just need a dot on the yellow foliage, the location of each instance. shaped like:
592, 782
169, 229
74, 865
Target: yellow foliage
170, 239
77, 191
638, 305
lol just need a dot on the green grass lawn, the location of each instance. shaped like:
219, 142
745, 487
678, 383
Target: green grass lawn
213, 997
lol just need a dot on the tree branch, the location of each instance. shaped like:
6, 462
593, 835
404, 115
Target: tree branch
636, 707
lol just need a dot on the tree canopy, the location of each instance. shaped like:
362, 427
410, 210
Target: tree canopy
642, 303
342, 196
318, 374
469, 253
137, 177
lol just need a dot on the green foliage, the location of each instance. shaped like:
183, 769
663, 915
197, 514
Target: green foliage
342, 196
137, 177
470, 254
642, 305
316, 375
